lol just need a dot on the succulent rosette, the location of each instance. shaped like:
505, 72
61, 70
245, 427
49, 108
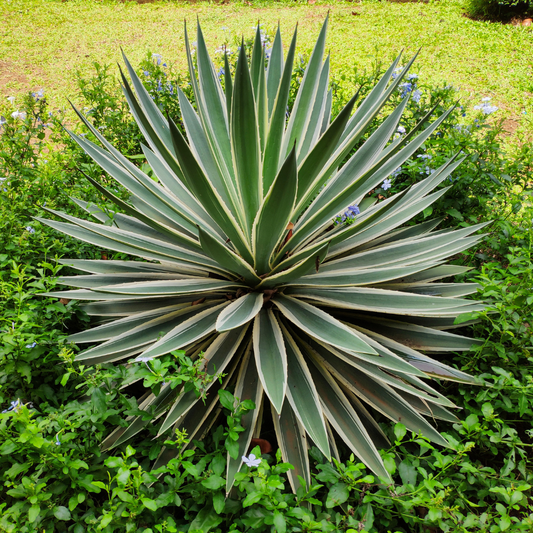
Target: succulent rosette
320, 323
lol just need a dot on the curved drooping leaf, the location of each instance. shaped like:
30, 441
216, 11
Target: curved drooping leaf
240, 312
319, 324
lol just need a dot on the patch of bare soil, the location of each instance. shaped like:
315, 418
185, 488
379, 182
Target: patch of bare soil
510, 125
9, 73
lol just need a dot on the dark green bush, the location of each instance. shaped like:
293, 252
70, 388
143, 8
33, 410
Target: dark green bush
497, 9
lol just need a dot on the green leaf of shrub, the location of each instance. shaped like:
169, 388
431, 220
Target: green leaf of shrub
33, 513
337, 494
61, 513
213, 482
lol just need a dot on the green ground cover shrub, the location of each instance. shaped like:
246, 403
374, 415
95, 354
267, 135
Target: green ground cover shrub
55, 478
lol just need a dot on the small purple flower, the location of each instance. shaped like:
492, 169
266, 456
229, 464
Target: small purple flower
486, 108
158, 58
57, 442
417, 95
397, 172
32, 345
146, 73
353, 210
15, 406
406, 88
387, 184
427, 171
396, 73
401, 130
38, 95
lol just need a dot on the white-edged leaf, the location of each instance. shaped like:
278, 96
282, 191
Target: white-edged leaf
270, 356
240, 311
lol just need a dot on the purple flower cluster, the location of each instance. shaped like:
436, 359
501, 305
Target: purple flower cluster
15, 406
349, 215
38, 95
485, 106
409, 87
158, 58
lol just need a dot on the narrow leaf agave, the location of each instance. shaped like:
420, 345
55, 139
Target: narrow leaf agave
308, 319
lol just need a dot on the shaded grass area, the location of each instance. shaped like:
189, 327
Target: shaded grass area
44, 42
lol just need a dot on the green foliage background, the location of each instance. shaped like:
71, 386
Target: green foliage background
53, 476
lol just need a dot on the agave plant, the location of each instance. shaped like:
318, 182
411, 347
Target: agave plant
245, 268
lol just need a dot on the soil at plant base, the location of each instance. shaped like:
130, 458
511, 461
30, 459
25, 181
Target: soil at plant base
519, 21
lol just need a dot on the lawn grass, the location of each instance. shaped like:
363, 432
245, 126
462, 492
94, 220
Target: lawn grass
44, 42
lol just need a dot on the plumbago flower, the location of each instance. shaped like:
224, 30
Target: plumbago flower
485, 107
308, 319
15, 406
417, 94
349, 215
397, 172
38, 95
19, 115
158, 58
409, 87
251, 461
